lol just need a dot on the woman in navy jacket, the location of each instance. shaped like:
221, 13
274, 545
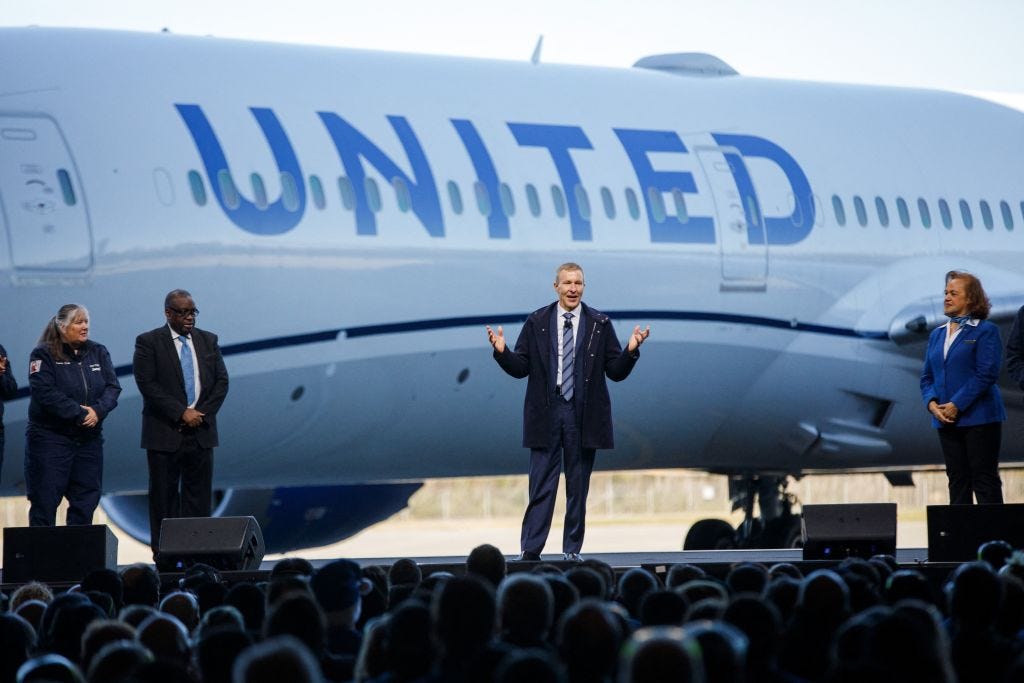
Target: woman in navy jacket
958, 386
74, 387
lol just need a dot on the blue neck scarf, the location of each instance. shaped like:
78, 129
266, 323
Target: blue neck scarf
960, 320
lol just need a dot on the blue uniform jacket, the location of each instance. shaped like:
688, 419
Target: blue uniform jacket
60, 389
967, 375
598, 355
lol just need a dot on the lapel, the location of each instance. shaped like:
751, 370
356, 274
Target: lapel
547, 338
199, 343
170, 352
967, 329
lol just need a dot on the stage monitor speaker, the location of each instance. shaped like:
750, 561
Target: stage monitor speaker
956, 531
835, 532
226, 543
57, 553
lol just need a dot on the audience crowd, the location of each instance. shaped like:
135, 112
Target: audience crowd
858, 621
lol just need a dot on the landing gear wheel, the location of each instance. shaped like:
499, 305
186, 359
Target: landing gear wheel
783, 532
710, 534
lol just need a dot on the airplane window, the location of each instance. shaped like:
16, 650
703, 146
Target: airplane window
883, 212
797, 217
1004, 209
837, 208
195, 183
348, 193
483, 200
965, 213
289, 192
401, 194
862, 213
986, 215
926, 214
903, 211
227, 189
752, 210
533, 199
582, 201
680, 200
819, 212
947, 218
634, 206
608, 201
657, 203
455, 197
558, 200
259, 191
372, 194
507, 203
316, 188
66, 189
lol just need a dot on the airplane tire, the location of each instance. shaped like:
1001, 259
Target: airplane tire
710, 534
782, 532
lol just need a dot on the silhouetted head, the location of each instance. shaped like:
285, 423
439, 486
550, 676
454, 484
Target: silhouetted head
589, 640
662, 608
140, 585
487, 561
525, 610
661, 654
747, 577
464, 614
678, 574
276, 660
975, 594
996, 553
633, 586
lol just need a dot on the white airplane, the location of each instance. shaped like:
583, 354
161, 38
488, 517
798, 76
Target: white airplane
349, 221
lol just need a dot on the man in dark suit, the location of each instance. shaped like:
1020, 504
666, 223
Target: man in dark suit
566, 349
181, 376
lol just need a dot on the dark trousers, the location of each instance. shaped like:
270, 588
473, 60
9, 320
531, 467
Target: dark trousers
972, 462
180, 484
58, 466
545, 466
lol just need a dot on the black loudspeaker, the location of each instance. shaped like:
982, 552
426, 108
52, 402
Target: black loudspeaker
226, 543
57, 553
835, 532
956, 531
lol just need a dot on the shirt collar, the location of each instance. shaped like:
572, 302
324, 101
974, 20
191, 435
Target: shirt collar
175, 335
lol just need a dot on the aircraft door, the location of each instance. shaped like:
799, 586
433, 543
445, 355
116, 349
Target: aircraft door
41, 197
741, 237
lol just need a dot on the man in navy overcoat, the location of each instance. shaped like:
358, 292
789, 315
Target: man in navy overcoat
566, 349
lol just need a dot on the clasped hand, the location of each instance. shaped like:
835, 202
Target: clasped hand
91, 419
192, 417
946, 413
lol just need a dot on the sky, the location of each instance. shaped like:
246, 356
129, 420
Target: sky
964, 45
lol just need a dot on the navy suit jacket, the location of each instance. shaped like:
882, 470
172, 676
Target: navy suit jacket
1015, 350
967, 375
598, 355
158, 375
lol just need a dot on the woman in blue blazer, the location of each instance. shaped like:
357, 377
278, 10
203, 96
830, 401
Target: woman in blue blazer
958, 386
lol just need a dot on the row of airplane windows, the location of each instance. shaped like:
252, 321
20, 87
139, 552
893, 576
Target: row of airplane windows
964, 212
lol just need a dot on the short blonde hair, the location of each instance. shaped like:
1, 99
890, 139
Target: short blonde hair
569, 265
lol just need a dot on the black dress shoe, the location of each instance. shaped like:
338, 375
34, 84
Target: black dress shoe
527, 556
572, 557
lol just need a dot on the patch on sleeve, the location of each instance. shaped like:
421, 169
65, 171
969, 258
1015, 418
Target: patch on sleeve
34, 366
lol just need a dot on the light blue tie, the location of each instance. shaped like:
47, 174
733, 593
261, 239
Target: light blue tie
188, 370
568, 347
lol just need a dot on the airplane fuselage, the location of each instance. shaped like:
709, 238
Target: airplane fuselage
349, 221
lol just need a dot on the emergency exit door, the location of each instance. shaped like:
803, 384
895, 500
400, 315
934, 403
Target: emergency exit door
740, 231
41, 200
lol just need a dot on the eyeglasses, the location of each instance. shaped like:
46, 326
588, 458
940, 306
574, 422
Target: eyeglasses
184, 312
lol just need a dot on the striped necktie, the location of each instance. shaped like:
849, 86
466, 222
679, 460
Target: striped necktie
568, 348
